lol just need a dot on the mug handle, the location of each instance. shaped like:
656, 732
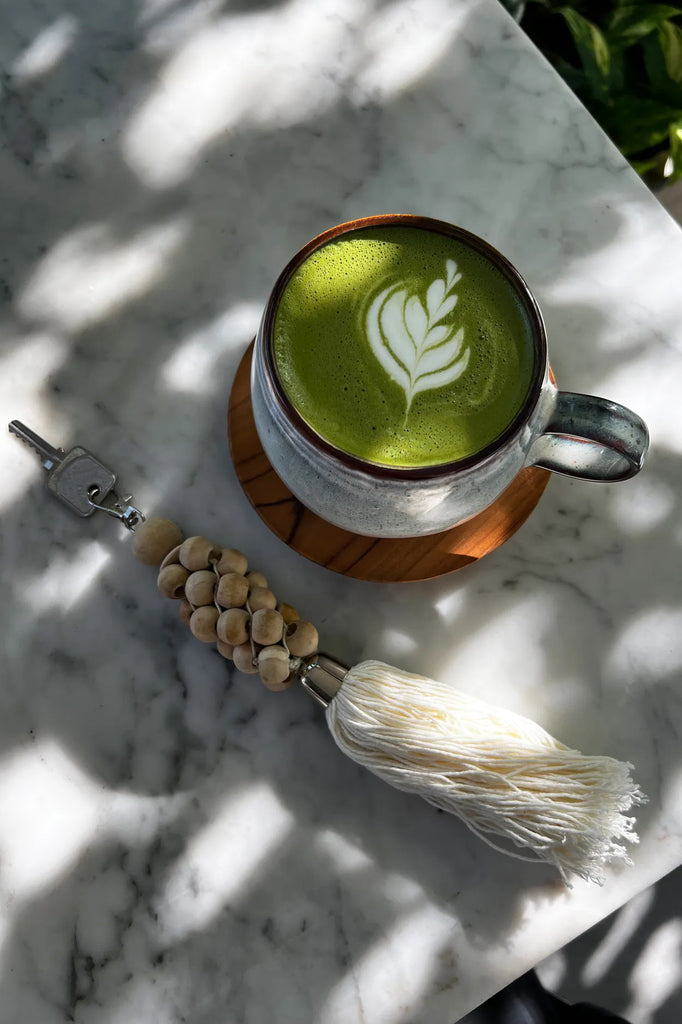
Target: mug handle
591, 438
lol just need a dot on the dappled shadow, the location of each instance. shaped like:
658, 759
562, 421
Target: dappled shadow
629, 962
146, 278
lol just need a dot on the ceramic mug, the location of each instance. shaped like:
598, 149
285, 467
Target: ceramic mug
577, 435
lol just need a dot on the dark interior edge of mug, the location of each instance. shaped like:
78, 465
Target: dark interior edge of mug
438, 227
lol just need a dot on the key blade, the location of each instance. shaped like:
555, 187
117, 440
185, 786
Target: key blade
47, 453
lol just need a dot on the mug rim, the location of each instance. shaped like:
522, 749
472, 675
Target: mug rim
377, 469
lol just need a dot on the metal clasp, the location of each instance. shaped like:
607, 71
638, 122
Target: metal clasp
121, 508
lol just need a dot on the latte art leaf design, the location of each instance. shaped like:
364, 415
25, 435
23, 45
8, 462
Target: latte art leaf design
409, 340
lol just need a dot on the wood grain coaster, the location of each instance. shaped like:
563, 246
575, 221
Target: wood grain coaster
366, 558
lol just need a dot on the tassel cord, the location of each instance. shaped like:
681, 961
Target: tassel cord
500, 773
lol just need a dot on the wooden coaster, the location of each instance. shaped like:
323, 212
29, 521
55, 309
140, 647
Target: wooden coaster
366, 558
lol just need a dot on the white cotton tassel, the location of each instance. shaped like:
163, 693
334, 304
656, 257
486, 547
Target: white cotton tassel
502, 774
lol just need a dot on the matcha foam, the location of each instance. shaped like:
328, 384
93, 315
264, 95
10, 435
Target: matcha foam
403, 346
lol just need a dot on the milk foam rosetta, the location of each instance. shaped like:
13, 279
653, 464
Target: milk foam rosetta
403, 346
410, 340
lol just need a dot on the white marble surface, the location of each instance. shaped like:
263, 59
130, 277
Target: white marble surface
175, 843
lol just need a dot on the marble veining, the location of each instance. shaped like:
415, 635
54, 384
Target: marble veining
177, 844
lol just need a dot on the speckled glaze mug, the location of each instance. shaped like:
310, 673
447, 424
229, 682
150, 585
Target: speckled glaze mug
577, 435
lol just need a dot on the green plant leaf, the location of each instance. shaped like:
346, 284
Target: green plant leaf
623, 58
670, 38
631, 22
660, 86
637, 125
652, 163
593, 50
676, 151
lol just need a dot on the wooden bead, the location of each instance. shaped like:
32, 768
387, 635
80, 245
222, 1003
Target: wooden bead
266, 626
242, 656
186, 611
233, 626
154, 538
232, 560
225, 649
301, 638
274, 668
198, 552
257, 579
203, 623
288, 612
171, 581
232, 590
200, 587
261, 597
172, 558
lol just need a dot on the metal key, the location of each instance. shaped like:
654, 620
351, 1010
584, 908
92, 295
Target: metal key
76, 477
79, 479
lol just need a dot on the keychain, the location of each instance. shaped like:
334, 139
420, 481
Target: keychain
500, 773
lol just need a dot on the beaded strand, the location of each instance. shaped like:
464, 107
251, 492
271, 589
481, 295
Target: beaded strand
225, 604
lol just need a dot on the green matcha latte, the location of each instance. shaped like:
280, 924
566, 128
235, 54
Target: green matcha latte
403, 347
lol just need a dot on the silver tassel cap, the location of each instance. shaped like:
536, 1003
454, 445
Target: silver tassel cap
322, 676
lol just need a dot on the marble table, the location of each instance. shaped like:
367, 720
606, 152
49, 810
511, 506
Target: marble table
176, 843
